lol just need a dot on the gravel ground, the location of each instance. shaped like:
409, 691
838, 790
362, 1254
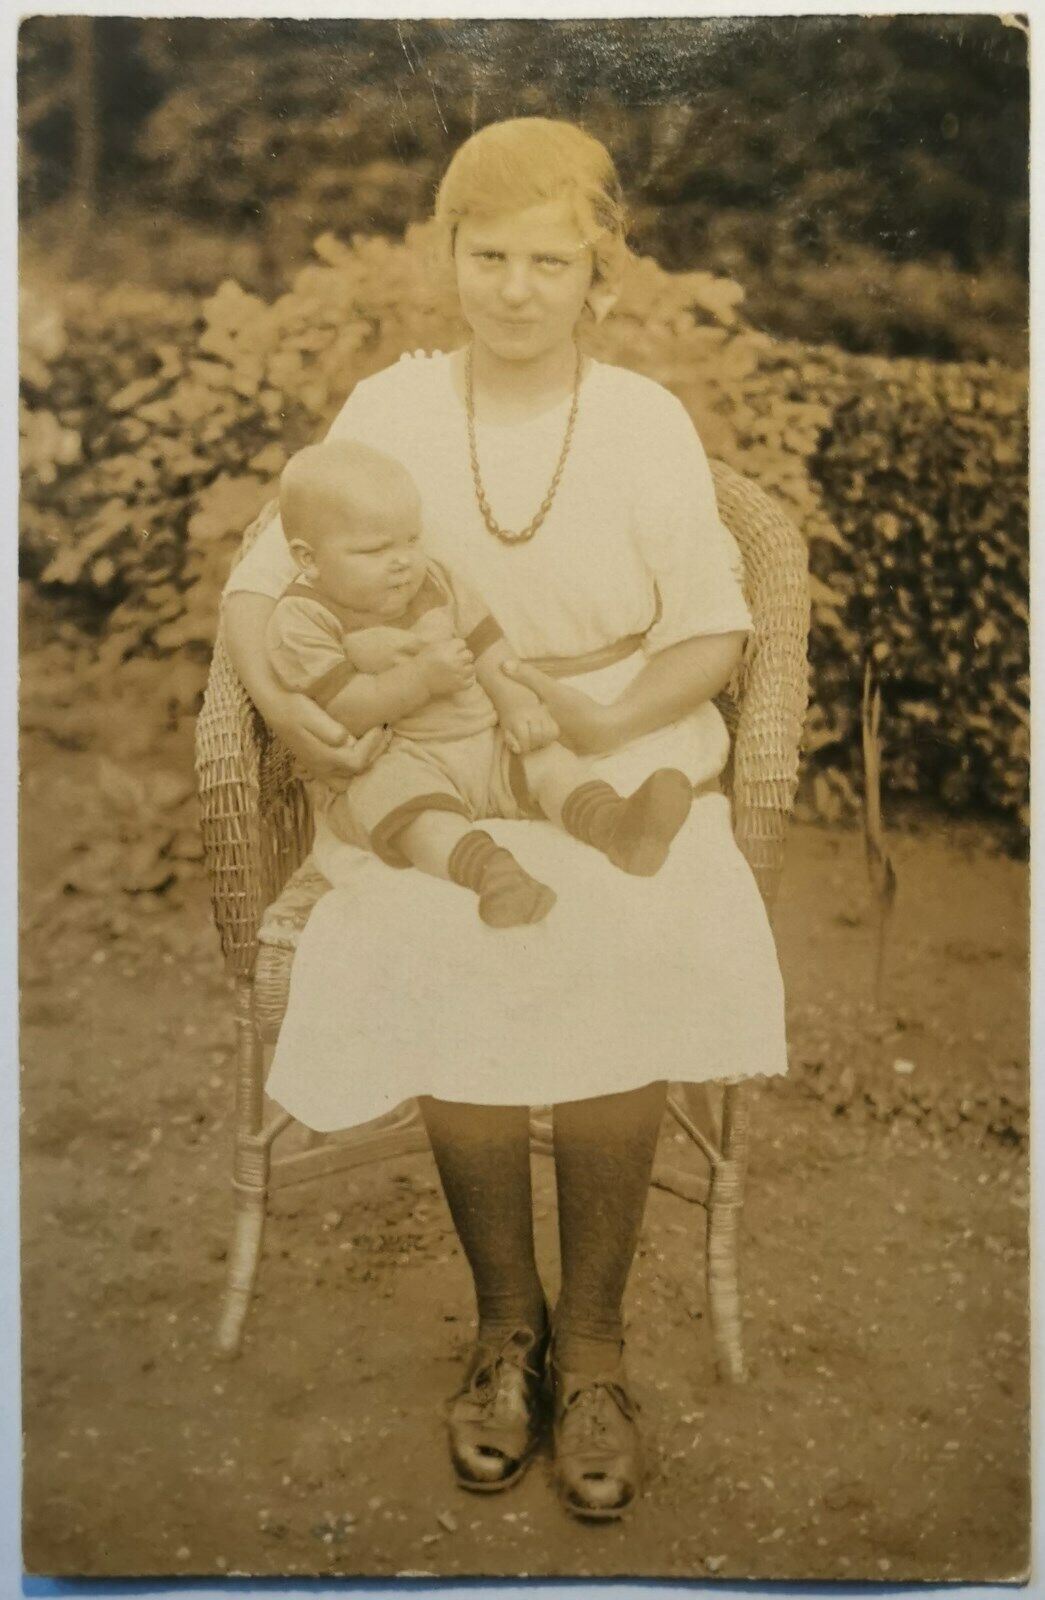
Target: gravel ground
883, 1433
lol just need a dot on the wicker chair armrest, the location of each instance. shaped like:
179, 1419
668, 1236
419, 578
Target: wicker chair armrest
771, 691
255, 815
254, 811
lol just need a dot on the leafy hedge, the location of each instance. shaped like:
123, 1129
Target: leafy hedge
926, 477
153, 427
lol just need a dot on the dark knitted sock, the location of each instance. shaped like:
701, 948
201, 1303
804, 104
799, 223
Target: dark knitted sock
636, 833
604, 1151
508, 896
483, 1156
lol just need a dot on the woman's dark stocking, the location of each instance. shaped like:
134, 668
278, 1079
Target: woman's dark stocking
483, 1157
604, 1151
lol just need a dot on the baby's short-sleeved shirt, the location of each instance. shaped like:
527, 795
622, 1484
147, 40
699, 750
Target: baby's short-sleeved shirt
633, 542
316, 646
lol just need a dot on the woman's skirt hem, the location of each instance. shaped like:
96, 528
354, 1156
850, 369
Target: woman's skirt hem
316, 1121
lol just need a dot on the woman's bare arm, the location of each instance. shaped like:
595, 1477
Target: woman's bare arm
672, 682
324, 748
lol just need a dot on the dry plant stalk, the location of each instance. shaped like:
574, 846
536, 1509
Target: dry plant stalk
880, 868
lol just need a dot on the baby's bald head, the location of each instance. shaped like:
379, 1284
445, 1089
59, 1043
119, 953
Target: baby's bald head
340, 486
352, 518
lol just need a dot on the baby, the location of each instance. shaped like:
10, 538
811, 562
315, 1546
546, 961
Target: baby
380, 635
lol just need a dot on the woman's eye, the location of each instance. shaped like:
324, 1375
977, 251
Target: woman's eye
551, 261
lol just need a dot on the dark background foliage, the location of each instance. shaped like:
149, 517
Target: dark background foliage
825, 162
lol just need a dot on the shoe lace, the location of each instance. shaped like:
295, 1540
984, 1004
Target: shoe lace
592, 1405
484, 1385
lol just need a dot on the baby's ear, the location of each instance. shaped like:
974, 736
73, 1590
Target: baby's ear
302, 553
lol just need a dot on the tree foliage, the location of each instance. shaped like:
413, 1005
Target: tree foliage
765, 149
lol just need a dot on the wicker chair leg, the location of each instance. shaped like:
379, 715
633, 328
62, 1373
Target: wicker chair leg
703, 1102
250, 1179
724, 1206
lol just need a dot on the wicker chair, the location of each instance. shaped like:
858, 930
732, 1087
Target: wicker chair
257, 830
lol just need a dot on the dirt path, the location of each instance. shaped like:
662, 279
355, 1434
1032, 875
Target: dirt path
883, 1433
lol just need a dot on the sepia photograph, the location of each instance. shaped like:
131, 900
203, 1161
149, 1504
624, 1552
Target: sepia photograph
524, 818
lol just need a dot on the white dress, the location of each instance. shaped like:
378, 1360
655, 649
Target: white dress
397, 987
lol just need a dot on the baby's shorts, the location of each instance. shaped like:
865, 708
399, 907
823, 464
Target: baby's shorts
475, 776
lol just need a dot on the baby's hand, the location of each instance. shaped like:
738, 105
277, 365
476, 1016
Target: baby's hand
529, 728
447, 666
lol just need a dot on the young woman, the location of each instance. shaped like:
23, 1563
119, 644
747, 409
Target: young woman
577, 498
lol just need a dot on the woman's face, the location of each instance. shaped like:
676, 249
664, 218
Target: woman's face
523, 277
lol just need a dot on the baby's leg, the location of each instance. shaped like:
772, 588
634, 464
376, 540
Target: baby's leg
635, 833
430, 839
448, 846
552, 775
416, 812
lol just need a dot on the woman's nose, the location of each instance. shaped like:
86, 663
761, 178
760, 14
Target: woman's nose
515, 285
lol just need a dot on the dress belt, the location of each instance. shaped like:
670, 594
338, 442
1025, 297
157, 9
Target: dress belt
573, 666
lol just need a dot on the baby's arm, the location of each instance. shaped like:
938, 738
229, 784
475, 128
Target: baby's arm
528, 724
307, 654
363, 700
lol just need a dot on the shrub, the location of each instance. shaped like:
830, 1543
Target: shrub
155, 426
925, 477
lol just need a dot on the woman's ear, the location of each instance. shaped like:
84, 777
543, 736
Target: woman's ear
610, 269
602, 297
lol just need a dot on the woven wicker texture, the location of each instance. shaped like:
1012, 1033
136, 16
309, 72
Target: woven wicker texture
255, 814
766, 706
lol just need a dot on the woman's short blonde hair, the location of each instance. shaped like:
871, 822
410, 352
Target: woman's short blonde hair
525, 161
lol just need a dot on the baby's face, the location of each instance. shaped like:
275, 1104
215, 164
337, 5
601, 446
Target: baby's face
369, 559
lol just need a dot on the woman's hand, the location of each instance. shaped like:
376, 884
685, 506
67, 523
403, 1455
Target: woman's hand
322, 745
586, 726
670, 684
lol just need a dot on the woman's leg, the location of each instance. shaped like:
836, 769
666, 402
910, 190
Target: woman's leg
495, 1419
604, 1151
483, 1157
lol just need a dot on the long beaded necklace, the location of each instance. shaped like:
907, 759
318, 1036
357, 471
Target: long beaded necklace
505, 535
